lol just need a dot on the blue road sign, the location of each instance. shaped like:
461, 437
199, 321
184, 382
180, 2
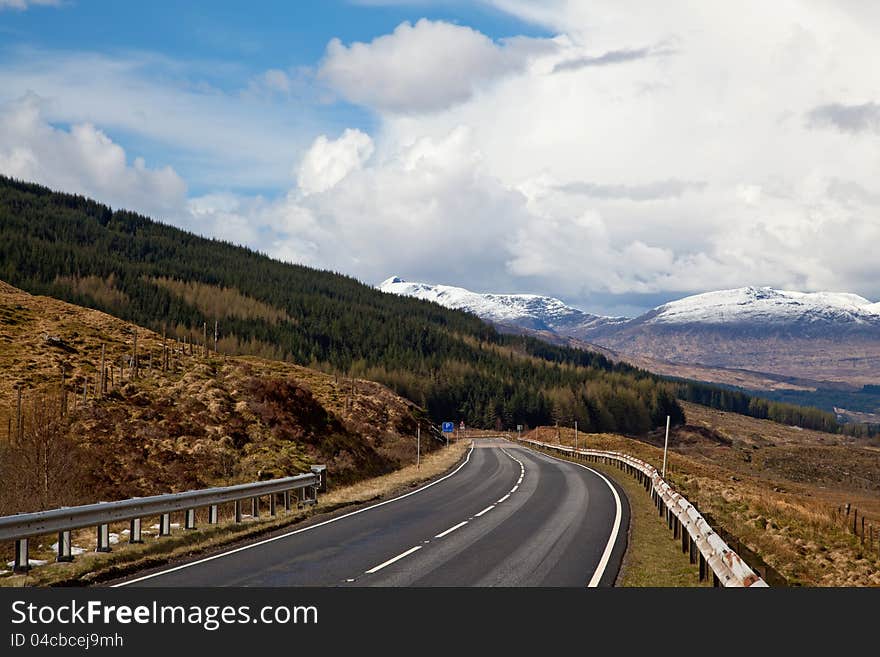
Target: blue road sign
448, 427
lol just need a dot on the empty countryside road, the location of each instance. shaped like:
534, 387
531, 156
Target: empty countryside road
509, 516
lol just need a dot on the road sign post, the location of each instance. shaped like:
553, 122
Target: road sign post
448, 428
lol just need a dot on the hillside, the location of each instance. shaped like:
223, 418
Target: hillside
203, 419
449, 362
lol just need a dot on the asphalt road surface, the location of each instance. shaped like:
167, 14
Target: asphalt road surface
508, 516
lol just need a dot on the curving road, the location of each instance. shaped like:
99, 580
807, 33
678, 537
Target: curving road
508, 516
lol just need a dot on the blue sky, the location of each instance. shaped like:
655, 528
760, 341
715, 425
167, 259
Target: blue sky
615, 154
224, 45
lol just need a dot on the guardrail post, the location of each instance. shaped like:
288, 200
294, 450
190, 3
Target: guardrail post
287, 500
702, 561
237, 510
272, 505
212, 514
692, 545
321, 471
103, 538
134, 531
21, 563
684, 540
255, 507
165, 524
189, 521
65, 553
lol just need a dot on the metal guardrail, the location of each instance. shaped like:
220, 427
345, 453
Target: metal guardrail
23, 526
698, 538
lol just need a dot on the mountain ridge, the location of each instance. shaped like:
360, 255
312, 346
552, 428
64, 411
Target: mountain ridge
829, 337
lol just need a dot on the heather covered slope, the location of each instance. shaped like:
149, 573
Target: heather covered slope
205, 419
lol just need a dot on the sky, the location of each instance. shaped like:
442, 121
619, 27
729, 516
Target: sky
613, 153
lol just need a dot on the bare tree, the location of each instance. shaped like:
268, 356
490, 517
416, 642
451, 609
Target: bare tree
42, 467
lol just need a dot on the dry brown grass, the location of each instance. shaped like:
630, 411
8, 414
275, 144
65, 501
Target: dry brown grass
730, 467
208, 420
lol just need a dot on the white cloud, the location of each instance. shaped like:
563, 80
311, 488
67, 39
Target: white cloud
21, 5
424, 67
329, 161
217, 138
83, 160
697, 169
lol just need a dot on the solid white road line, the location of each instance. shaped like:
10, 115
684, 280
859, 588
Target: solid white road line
615, 529
451, 529
486, 510
298, 531
609, 547
391, 561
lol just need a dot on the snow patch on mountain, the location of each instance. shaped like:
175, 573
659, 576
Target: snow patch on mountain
766, 305
530, 310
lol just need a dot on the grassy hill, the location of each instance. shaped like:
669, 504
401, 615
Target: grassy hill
200, 420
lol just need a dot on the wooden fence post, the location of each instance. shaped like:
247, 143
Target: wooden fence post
19, 432
103, 374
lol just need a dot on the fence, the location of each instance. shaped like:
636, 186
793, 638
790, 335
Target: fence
702, 544
24, 526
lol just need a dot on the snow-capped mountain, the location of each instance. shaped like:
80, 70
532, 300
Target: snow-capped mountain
818, 336
528, 311
765, 305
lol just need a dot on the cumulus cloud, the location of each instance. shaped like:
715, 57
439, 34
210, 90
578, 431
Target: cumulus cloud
329, 161
424, 67
853, 119
82, 159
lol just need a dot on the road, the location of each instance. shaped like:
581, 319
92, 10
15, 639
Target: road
508, 516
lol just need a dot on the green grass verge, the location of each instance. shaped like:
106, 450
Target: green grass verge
653, 557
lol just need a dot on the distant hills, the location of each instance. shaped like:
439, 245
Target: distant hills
753, 337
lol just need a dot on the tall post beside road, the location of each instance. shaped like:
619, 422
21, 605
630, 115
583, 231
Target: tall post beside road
665, 447
419, 447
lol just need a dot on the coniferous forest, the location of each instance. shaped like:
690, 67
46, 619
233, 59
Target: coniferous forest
449, 362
